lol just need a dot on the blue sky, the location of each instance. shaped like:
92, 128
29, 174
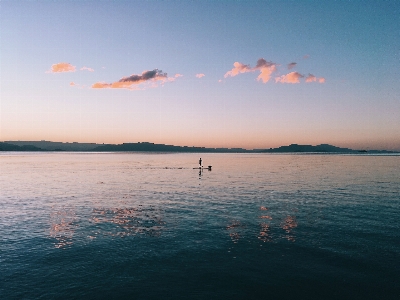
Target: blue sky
351, 49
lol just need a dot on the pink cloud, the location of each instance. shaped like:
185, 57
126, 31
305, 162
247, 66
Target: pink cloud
293, 77
114, 85
312, 78
306, 56
101, 85
265, 75
200, 75
178, 75
266, 68
75, 85
62, 67
237, 69
154, 77
87, 69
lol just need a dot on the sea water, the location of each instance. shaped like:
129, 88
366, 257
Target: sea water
150, 226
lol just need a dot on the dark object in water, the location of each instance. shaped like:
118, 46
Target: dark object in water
202, 168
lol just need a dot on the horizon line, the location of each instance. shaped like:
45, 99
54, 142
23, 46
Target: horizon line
202, 147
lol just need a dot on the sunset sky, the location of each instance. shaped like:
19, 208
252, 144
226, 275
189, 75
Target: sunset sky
250, 74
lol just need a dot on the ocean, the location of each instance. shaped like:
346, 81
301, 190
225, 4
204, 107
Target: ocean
150, 226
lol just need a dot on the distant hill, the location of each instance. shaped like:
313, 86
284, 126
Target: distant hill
309, 148
56, 146
151, 147
10, 147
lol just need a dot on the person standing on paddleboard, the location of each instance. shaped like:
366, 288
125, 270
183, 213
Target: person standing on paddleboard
200, 162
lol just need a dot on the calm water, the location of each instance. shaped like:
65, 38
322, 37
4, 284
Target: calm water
148, 226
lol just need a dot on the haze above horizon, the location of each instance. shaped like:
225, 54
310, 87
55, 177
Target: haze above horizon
231, 74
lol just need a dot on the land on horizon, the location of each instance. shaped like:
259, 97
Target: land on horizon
152, 147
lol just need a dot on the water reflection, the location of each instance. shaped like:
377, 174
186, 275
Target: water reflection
234, 229
201, 170
288, 224
128, 221
268, 224
63, 226
264, 234
265, 228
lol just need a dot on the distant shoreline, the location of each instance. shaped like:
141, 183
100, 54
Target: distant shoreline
48, 146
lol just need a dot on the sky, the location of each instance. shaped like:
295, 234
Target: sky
249, 74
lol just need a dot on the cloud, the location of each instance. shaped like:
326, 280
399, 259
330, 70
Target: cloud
237, 69
312, 78
87, 69
155, 76
101, 85
146, 75
306, 56
62, 67
76, 85
292, 77
266, 68
178, 75
200, 75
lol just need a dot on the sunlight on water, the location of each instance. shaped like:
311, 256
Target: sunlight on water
152, 220
62, 227
127, 221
